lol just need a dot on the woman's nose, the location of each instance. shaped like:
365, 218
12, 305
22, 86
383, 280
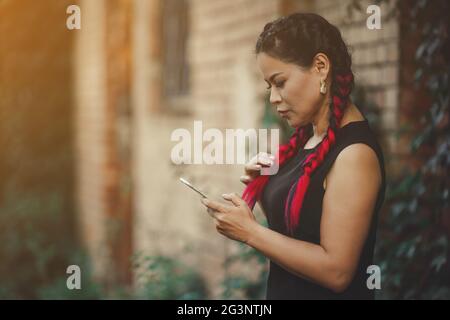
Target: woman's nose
275, 97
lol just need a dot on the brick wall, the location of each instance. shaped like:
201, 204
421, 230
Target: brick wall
118, 188
103, 124
90, 126
375, 55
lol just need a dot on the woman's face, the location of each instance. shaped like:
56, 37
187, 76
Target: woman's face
294, 91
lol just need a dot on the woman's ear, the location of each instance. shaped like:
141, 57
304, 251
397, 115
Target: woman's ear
321, 64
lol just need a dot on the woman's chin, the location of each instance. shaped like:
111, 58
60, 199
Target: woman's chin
293, 123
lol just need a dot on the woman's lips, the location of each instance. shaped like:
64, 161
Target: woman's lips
283, 113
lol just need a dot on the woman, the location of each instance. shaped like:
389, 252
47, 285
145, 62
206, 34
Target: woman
323, 203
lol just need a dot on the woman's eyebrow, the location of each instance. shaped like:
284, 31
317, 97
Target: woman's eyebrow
273, 76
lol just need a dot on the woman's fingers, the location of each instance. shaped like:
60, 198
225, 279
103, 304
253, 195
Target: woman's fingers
265, 161
211, 212
214, 205
262, 158
254, 166
253, 170
234, 198
245, 179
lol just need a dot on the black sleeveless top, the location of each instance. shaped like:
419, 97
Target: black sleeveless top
281, 283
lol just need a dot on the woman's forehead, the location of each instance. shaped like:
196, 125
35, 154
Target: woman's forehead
269, 65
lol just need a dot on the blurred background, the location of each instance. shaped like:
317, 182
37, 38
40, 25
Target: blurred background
86, 117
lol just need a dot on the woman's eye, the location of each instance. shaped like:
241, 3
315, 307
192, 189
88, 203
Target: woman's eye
279, 84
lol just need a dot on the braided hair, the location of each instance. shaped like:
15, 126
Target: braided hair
297, 38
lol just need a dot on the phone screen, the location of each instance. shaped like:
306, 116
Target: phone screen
187, 183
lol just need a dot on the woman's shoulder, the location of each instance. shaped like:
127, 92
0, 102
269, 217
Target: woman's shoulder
357, 132
358, 153
358, 159
356, 147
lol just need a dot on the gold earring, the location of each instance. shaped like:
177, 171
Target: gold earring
323, 87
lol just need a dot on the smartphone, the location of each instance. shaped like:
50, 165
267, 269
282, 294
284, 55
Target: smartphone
192, 187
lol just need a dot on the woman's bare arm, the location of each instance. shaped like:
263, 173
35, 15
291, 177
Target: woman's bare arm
352, 187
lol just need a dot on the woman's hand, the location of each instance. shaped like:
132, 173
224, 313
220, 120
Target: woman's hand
254, 166
235, 221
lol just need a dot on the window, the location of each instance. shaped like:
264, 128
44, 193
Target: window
175, 65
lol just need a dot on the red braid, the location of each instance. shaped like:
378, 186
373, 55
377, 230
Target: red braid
253, 191
298, 190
